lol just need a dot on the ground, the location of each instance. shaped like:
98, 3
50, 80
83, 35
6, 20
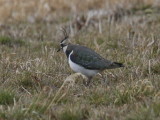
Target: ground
36, 82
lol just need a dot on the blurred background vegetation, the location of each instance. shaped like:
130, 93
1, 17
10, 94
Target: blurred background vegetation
49, 10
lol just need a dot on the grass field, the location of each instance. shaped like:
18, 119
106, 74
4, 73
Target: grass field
36, 82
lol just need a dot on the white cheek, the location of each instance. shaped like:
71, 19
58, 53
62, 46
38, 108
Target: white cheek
64, 49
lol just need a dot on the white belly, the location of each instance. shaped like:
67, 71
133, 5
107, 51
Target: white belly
79, 69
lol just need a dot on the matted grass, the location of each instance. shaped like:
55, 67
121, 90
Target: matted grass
32, 73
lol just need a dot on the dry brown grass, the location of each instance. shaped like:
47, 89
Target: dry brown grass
20, 10
32, 73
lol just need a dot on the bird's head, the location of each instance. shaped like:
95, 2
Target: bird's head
64, 42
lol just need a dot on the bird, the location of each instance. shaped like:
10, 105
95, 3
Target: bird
84, 60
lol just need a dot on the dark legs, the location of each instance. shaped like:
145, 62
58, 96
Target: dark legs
89, 79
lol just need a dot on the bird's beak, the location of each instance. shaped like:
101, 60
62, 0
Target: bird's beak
59, 49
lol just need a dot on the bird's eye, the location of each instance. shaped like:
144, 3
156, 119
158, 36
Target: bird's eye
63, 45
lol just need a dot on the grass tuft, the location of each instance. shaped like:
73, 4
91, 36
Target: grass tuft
99, 97
10, 42
26, 80
129, 94
6, 97
77, 114
5, 40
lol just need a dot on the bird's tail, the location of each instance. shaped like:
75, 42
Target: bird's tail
116, 65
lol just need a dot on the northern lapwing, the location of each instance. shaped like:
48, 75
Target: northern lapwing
84, 60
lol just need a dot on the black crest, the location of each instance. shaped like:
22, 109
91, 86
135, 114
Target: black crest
64, 40
66, 36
